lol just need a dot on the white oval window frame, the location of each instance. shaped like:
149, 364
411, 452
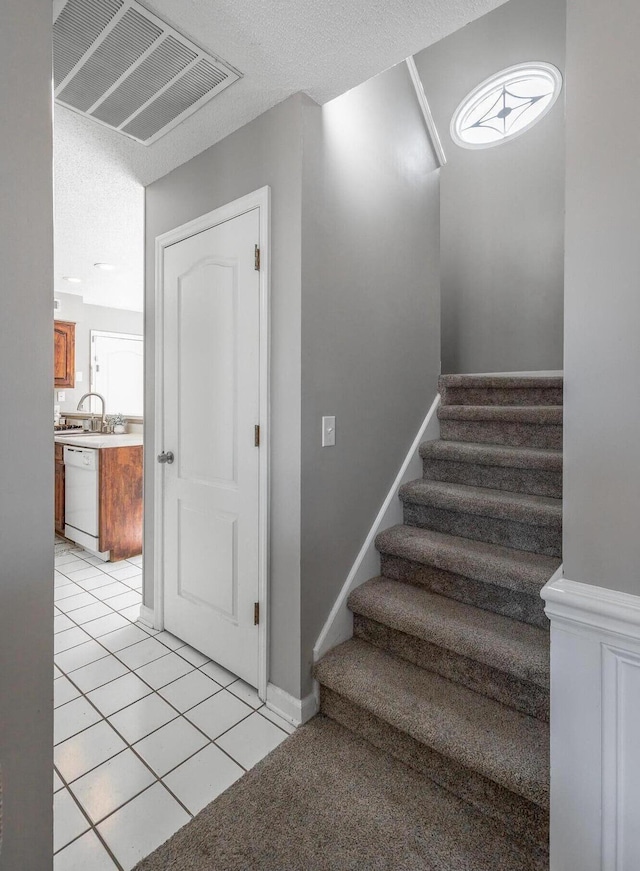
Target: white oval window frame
498, 78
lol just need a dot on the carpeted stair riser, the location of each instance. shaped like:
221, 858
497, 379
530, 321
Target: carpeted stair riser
526, 821
481, 594
546, 540
498, 566
536, 482
501, 396
495, 432
444, 716
505, 688
500, 390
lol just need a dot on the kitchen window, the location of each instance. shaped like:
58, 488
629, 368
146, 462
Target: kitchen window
117, 361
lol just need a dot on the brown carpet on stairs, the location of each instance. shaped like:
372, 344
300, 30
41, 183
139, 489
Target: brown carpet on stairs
431, 751
448, 671
326, 800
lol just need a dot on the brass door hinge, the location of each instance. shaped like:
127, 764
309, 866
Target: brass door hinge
256, 436
256, 613
257, 259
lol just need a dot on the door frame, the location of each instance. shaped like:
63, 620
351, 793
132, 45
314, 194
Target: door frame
260, 199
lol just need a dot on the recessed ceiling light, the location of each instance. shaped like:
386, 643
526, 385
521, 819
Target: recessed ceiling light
71, 279
105, 267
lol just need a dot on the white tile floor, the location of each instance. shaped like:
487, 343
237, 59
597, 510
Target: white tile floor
147, 730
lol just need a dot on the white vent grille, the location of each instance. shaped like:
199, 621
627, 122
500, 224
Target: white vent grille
117, 63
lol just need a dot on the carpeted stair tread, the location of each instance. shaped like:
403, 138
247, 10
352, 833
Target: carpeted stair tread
537, 415
483, 501
327, 800
506, 567
499, 642
505, 382
484, 736
483, 454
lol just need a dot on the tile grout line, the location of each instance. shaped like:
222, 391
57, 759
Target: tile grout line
128, 745
157, 779
92, 827
180, 714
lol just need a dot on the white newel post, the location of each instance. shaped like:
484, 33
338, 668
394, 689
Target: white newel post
595, 727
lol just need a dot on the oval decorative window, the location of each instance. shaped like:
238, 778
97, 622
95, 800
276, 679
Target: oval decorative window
506, 105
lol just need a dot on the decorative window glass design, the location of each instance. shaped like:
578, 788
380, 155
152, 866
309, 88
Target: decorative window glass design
506, 105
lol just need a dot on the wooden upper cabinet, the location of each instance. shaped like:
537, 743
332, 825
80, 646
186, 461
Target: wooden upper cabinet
64, 354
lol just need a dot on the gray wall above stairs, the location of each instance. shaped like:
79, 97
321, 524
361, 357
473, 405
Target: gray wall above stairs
502, 208
602, 299
26, 488
370, 319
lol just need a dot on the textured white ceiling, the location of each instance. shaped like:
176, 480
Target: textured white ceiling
321, 47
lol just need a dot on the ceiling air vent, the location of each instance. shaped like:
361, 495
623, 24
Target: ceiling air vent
122, 66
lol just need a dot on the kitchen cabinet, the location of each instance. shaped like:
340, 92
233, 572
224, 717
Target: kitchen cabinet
59, 490
120, 501
102, 496
64, 354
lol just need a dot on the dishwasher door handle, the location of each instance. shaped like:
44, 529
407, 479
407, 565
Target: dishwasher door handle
166, 457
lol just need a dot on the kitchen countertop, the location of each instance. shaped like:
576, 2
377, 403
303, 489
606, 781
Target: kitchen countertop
99, 440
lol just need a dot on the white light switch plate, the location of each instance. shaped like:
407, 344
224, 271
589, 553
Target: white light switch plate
60, 396
328, 432
79, 376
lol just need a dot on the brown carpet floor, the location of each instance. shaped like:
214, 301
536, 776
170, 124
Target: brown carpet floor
325, 800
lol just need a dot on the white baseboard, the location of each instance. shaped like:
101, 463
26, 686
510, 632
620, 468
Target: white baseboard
147, 616
294, 711
595, 722
339, 625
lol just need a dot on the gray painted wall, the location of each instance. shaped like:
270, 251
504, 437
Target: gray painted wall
87, 318
268, 151
355, 325
502, 208
602, 299
370, 320
26, 491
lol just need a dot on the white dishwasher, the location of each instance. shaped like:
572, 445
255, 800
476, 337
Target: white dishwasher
81, 499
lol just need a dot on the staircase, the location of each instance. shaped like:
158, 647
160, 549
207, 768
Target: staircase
448, 669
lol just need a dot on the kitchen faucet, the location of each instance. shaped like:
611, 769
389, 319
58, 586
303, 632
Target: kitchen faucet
103, 422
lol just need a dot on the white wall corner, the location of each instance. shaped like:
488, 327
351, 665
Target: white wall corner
429, 121
293, 710
595, 720
339, 624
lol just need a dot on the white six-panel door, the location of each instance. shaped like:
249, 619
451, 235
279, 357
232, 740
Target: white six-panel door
211, 375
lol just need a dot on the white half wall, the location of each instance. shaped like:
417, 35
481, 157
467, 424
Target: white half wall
595, 711
339, 625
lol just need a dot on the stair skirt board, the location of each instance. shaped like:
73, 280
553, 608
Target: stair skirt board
339, 625
448, 669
